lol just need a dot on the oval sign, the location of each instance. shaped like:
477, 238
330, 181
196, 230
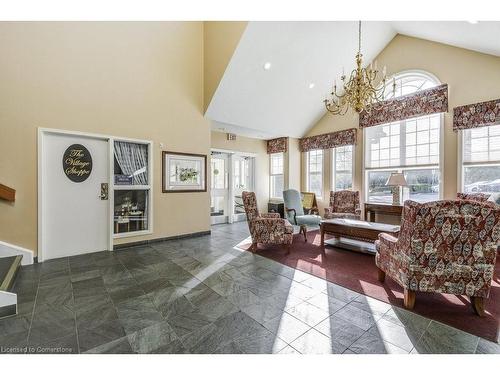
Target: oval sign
77, 163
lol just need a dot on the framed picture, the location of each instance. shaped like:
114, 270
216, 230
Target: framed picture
183, 173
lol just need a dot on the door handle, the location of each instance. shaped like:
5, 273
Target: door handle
104, 192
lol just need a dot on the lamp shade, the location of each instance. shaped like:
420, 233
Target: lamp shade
396, 179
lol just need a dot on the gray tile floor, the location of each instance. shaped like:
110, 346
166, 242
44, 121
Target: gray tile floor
202, 295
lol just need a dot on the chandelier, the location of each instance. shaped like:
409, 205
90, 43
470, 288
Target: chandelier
360, 91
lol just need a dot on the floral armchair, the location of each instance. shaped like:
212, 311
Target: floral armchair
266, 228
343, 204
478, 197
444, 247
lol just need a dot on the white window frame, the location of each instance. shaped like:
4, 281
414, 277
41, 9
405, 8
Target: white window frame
365, 170
333, 166
271, 175
148, 188
308, 173
461, 165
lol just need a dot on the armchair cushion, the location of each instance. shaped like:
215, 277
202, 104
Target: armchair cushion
271, 215
271, 230
312, 220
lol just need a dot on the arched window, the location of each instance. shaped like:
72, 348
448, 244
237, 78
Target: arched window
409, 82
410, 146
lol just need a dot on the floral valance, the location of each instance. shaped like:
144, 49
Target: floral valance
421, 103
277, 145
476, 115
329, 140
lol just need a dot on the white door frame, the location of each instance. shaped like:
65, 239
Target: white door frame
231, 154
110, 139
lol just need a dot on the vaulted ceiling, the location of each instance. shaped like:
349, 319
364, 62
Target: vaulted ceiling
304, 58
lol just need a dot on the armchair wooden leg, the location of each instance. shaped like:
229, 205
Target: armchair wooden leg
478, 305
253, 248
303, 230
409, 300
288, 249
381, 275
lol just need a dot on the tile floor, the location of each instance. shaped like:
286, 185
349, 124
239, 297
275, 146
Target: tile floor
201, 295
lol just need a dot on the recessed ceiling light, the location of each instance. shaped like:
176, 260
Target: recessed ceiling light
267, 66
311, 85
473, 22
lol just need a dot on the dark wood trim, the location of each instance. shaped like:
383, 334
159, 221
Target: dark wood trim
385, 209
7, 193
163, 153
162, 239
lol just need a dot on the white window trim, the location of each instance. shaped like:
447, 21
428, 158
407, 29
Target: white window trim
365, 170
332, 167
148, 187
271, 175
461, 165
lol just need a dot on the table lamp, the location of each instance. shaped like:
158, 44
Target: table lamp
396, 180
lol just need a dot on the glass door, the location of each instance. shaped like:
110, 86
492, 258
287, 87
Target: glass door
242, 181
219, 192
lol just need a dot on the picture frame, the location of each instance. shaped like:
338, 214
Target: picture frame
183, 172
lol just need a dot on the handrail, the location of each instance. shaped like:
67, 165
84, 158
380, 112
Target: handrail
7, 193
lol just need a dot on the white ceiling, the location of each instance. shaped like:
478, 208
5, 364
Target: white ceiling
255, 102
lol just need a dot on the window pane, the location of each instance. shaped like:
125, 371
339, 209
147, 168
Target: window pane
481, 144
277, 163
482, 179
217, 205
315, 182
378, 192
130, 163
315, 171
343, 181
218, 173
342, 169
423, 184
130, 211
277, 186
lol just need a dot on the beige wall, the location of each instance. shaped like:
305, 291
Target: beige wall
472, 77
220, 40
254, 146
132, 79
292, 165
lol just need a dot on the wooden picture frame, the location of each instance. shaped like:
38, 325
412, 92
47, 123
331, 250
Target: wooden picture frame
171, 170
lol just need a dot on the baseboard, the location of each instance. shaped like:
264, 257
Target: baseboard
161, 239
7, 249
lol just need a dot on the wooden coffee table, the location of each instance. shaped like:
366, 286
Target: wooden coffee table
355, 235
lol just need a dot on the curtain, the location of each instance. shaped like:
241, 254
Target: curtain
421, 103
133, 160
476, 115
277, 145
329, 140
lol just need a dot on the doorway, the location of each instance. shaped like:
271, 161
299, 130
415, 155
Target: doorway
231, 174
74, 175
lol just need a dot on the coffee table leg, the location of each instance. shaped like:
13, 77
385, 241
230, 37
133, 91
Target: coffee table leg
322, 236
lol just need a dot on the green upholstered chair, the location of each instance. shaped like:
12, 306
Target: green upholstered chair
294, 212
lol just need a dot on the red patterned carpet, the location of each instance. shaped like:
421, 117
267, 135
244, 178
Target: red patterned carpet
358, 272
